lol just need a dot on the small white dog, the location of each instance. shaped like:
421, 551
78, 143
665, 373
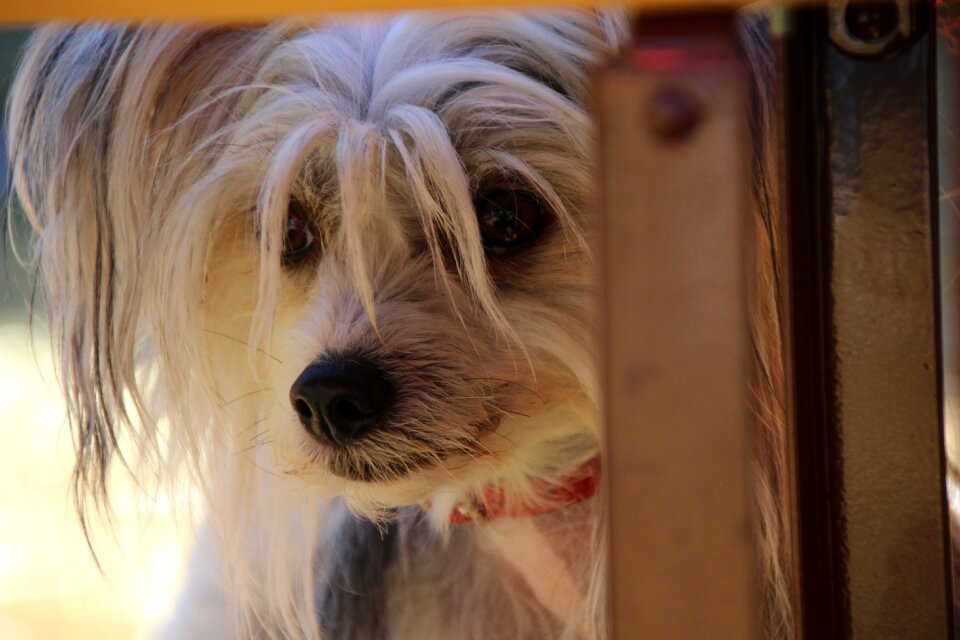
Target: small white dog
338, 278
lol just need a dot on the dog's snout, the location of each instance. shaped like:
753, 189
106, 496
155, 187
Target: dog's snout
337, 400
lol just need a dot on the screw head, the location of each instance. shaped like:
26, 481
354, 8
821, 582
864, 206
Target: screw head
872, 21
673, 114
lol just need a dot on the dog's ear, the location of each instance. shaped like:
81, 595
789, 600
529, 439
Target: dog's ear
97, 116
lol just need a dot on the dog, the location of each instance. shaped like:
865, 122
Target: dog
336, 278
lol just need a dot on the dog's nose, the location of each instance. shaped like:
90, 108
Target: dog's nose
338, 400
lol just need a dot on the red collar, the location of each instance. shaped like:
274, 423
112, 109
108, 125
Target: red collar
494, 502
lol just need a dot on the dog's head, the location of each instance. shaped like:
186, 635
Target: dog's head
355, 255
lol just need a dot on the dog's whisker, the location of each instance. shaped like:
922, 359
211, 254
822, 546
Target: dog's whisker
485, 398
244, 396
504, 411
248, 448
258, 436
253, 424
503, 437
514, 383
245, 343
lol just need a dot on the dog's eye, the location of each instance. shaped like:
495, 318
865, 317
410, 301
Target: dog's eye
299, 237
508, 218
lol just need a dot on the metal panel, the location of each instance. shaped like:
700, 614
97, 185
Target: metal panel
675, 359
864, 309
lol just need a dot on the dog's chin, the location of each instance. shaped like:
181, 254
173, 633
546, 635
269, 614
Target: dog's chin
378, 459
365, 491
503, 447
371, 462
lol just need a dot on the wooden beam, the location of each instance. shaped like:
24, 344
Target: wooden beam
674, 183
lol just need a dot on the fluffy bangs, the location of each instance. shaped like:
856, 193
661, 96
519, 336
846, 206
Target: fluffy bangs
423, 129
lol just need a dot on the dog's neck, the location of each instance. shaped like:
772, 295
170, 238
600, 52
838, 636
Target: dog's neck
552, 552
546, 537
496, 502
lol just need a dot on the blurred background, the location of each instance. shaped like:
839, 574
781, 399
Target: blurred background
50, 586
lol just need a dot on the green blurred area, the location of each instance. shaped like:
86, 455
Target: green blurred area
14, 280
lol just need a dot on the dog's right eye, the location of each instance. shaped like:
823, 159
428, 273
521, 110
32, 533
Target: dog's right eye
300, 236
509, 218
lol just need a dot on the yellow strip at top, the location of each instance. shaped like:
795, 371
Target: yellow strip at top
24, 12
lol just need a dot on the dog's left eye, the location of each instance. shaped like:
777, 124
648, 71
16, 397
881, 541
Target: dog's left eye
509, 218
299, 236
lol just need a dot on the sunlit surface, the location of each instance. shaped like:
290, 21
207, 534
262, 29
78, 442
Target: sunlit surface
49, 585
951, 418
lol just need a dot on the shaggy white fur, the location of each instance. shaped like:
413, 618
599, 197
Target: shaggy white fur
219, 208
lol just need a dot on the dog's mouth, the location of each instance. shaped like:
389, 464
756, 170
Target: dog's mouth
378, 418
396, 451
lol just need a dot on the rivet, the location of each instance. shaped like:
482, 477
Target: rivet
673, 113
872, 21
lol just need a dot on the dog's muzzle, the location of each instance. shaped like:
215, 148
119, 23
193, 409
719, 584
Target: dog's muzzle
340, 399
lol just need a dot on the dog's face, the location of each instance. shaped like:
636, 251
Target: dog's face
423, 228
363, 252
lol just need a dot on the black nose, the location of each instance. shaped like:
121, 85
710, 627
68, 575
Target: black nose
338, 400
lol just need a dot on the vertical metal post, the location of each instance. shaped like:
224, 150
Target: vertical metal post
674, 184
861, 184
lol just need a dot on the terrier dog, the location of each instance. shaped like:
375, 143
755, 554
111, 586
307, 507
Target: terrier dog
336, 278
